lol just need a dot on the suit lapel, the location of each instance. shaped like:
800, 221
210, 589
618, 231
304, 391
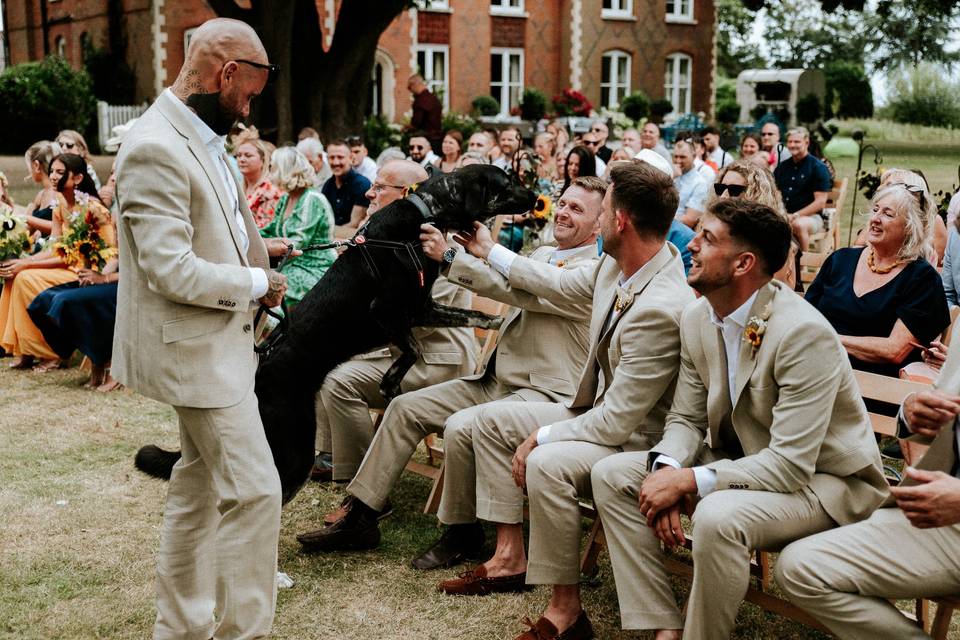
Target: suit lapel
749, 358
941, 456
207, 163
718, 404
651, 269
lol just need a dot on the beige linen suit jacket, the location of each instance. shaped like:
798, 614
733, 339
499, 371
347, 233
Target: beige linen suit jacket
797, 410
184, 331
542, 343
627, 381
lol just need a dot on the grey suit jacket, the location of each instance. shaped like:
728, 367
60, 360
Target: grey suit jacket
797, 412
542, 344
184, 331
627, 381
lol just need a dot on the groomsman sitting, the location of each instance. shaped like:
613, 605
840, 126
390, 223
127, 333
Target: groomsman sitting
845, 577
768, 415
638, 292
542, 346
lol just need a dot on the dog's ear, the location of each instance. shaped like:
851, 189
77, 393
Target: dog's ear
475, 196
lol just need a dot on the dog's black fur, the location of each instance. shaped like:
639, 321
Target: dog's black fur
352, 310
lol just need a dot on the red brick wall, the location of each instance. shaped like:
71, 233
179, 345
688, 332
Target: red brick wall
545, 67
507, 32
470, 31
433, 28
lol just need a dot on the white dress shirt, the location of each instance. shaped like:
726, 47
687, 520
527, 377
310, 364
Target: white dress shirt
216, 147
731, 328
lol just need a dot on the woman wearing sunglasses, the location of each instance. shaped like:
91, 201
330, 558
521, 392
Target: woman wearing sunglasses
71, 141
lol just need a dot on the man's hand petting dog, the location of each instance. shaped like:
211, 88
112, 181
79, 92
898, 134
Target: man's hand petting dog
432, 242
479, 243
276, 288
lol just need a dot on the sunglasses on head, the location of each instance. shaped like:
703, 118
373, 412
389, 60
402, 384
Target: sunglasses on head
272, 69
735, 190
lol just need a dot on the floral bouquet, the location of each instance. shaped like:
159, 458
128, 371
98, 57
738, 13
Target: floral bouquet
571, 102
14, 235
82, 244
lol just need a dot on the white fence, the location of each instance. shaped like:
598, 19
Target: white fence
109, 116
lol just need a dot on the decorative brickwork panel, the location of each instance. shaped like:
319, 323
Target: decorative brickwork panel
508, 32
433, 28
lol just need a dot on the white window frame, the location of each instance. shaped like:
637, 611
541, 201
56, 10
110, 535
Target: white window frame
505, 83
674, 83
60, 43
682, 11
619, 10
507, 8
430, 50
612, 58
437, 6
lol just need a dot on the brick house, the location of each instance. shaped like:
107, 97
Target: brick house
464, 48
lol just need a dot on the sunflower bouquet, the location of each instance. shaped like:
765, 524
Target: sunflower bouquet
14, 235
82, 244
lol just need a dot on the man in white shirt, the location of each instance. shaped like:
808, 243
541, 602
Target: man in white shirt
420, 151
711, 142
361, 162
690, 185
509, 142
767, 439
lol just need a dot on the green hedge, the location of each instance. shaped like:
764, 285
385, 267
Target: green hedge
38, 99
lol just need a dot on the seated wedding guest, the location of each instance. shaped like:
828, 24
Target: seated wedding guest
24, 278
951, 264
805, 183
751, 149
360, 159
754, 182
40, 211
450, 148
303, 217
650, 139
631, 140
560, 132
886, 301
519, 371
691, 186
579, 162
848, 578
344, 426
345, 190
712, 149
79, 316
472, 157
71, 141
6, 201
312, 149
680, 234
766, 441
480, 143
621, 154
253, 160
545, 146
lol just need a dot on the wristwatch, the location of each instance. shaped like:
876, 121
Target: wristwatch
448, 257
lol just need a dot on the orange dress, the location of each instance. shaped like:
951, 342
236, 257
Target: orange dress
18, 334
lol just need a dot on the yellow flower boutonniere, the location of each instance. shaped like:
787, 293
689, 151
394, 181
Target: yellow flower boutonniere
755, 329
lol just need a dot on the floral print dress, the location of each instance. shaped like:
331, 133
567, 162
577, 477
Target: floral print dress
263, 202
310, 222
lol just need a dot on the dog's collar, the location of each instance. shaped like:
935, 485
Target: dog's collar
421, 205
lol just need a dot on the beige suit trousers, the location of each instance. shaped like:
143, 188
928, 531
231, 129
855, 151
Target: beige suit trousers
349, 392
727, 526
216, 575
450, 409
500, 429
558, 477
843, 577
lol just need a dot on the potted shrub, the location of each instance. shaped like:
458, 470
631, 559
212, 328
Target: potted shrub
635, 106
659, 109
485, 106
533, 104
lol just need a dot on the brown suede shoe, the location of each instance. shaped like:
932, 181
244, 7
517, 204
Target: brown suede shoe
543, 629
476, 583
337, 514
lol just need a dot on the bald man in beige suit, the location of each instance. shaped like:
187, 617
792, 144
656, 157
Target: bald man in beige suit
846, 577
767, 429
193, 266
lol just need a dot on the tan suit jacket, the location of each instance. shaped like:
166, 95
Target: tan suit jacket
627, 381
542, 344
184, 331
797, 412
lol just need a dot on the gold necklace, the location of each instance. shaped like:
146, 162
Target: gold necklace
880, 270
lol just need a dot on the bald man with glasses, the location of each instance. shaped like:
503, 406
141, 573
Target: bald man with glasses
602, 151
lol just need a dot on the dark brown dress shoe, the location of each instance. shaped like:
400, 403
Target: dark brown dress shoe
356, 531
338, 514
543, 629
476, 583
458, 543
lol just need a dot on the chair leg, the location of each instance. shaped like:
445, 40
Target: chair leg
433, 500
595, 544
941, 622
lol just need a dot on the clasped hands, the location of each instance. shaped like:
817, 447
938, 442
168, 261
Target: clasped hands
10, 268
664, 495
478, 243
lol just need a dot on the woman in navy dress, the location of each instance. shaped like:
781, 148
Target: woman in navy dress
885, 300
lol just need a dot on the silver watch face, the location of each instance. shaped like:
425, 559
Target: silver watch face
449, 255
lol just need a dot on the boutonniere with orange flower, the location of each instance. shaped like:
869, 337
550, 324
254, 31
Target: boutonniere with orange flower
756, 328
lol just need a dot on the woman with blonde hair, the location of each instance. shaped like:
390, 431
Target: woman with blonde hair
71, 141
253, 158
305, 217
40, 212
885, 299
545, 146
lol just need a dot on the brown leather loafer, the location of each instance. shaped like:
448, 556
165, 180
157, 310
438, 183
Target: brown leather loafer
543, 629
476, 583
337, 514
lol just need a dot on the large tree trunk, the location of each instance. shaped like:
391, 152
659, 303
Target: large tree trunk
325, 90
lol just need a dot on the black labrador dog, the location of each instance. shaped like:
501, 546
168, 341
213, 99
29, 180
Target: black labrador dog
374, 293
